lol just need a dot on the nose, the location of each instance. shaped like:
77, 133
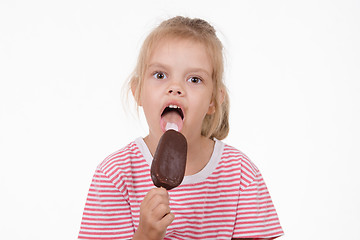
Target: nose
175, 88
175, 92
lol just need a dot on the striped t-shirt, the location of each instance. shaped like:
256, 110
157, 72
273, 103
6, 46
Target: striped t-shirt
226, 199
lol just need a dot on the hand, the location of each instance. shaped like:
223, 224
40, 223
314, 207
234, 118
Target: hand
155, 215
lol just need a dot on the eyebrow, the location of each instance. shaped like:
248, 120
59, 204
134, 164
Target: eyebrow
155, 65
192, 70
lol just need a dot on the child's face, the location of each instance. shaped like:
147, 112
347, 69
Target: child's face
179, 73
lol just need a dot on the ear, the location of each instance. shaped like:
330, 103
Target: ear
220, 99
211, 109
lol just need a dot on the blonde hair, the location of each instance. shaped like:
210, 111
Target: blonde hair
214, 125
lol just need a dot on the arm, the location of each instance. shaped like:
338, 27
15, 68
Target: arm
256, 209
106, 212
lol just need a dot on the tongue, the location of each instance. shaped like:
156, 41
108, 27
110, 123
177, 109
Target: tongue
171, 120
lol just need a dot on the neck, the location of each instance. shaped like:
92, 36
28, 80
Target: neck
198, 154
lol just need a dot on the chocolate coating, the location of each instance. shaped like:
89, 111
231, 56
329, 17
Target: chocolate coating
168, 165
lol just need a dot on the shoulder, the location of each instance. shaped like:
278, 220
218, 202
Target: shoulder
248, 170
122, 161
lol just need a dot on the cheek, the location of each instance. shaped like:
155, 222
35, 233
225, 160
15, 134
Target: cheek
144, 95
149, 101
203, 108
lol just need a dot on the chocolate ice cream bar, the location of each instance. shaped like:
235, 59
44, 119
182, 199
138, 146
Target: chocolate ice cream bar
168, 165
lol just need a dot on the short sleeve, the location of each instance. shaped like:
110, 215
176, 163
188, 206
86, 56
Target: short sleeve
107, 213
256, 216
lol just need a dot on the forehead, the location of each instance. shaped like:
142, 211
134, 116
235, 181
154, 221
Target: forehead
180, 52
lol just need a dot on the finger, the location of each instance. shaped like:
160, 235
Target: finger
156, 191
149, 195
162, 191
148, 199
159, 204
160, 211
156, 197
167, 220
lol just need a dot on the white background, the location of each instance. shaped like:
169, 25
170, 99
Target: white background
293, 70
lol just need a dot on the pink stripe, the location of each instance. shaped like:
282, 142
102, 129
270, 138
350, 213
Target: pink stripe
123, 178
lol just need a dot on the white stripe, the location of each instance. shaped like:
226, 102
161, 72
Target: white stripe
199, 206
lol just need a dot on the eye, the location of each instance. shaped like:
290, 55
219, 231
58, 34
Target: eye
159, 75
194, 80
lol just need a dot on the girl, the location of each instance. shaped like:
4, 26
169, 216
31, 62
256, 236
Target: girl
179, 80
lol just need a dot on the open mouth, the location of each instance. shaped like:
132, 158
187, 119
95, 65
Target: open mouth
173, 108
172, 117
